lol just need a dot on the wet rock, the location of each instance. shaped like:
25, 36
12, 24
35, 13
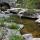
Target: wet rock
9, 32
27, 36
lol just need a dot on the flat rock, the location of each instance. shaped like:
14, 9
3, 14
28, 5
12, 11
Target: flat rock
36, 38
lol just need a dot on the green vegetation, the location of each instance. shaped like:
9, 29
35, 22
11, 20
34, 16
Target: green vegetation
13, 25
10, 22
16, 37
14, 32
1, 22
29, 26
29, 4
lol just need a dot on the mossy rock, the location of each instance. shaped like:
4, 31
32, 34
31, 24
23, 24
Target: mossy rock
14, 26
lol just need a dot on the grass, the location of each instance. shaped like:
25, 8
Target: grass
16, 37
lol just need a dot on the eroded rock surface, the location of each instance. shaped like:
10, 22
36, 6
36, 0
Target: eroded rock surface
5, 33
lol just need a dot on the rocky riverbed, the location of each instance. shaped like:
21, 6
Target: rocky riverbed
10, 30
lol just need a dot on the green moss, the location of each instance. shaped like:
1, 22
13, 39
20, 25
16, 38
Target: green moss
14, 26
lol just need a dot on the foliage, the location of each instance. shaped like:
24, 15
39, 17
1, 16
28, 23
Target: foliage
1, 22
29, 3
14, 26
31, 12
16, 37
